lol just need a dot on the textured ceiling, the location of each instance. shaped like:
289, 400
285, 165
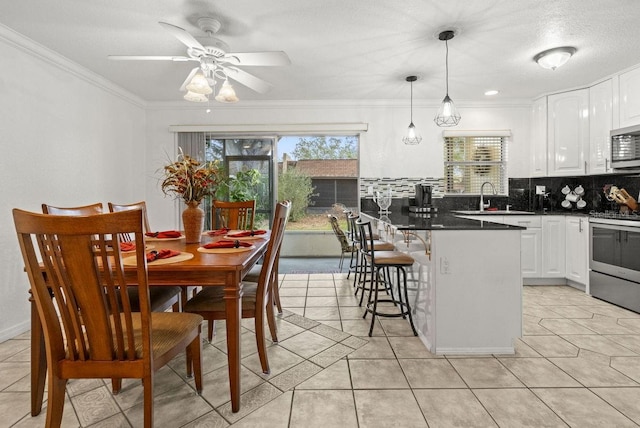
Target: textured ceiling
346, 49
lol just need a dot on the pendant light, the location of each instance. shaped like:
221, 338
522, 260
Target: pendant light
447, 113
411, 138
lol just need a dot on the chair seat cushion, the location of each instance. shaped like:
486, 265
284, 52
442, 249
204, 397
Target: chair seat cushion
383, 246
393, 258
211, 299
168, 330
253, 274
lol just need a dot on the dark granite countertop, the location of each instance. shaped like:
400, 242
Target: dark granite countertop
439, 221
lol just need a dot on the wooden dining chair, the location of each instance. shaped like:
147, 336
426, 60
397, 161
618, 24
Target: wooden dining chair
256, 297
115, 208
162, 298
79, 286
254, 274
235, 215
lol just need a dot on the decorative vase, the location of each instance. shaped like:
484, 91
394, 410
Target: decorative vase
193, 222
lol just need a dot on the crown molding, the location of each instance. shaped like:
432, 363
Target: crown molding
40, 52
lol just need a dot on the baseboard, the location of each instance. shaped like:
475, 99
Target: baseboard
14, 330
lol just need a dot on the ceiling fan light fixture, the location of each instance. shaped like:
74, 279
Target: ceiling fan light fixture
554, 58
227, 94
195, 97
199, 85
447, 113
412, 138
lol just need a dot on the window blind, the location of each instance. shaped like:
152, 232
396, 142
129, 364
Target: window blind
473, 160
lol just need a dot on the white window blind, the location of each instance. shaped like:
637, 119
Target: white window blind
472, 160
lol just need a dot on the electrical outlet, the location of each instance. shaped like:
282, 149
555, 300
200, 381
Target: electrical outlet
444, 266
540, 190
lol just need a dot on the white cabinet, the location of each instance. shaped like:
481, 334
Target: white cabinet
530, 243
577, 249
538, 144
553, 246
600, 125
531, 252
630, 98
568, 132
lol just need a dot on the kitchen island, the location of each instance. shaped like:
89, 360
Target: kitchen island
466, 280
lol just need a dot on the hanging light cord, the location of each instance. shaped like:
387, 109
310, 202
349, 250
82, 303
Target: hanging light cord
411, 102
446, 65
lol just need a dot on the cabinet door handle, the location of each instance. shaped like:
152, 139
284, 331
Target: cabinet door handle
580, 225
606, 165
585, 167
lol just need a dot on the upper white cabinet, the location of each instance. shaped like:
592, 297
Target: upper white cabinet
600, 125
629, 98
539, 137
568, 132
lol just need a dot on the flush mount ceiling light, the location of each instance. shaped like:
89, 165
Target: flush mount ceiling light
411, 138
447, 113
227, 94
554, 58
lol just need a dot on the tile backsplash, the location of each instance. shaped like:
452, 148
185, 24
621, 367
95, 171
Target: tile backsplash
522, 193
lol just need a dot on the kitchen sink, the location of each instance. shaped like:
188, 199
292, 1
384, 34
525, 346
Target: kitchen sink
498, 212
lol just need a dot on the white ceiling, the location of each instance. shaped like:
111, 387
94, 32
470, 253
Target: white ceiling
346, 49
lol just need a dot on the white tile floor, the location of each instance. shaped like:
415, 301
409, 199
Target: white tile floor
578, 364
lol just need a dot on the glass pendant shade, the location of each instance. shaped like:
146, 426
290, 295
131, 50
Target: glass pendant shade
447, 113
199, 85
227, 94
195, 97
412, 137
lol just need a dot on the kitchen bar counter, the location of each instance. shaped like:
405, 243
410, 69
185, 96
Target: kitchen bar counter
448, 220
466, 281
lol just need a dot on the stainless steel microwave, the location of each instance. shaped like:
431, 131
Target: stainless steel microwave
625, 147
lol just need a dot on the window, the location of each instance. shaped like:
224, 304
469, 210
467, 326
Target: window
472, 158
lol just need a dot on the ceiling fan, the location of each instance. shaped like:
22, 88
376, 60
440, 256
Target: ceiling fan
215, 63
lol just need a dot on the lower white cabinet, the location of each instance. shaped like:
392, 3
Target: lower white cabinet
531, 252
577, 249
530, 243
553, 246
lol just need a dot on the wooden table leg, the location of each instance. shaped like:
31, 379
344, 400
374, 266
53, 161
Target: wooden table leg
38, 360
233, 307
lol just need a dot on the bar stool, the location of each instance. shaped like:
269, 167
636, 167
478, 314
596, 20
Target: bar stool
361, 268
379, 260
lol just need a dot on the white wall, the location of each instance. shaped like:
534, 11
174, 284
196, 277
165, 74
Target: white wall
382, 152
68, 139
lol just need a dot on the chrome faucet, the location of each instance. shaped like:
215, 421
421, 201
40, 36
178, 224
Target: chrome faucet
482, 204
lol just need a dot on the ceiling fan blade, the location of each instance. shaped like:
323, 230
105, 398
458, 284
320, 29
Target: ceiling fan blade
149, 58
275, 58
188, 79
248, 80
182, 35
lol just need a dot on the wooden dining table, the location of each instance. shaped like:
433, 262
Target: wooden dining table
225, 269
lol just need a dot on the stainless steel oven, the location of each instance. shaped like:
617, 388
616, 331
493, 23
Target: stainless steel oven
614, 261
